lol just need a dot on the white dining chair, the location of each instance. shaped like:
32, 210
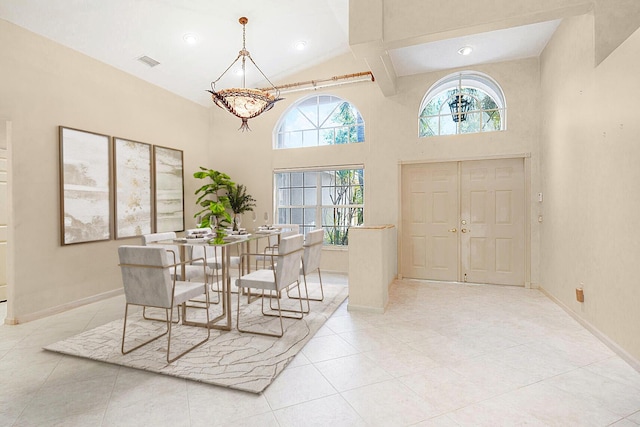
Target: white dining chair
283, 230
210, 258
311, 260
284, 273
148, 282
192, 272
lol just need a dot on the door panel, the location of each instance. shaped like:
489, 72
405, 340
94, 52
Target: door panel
492, 203
464, 221
430, 249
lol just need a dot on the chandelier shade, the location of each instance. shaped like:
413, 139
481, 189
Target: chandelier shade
244, 103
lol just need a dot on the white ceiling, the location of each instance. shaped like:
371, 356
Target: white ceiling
495, 46
117, 32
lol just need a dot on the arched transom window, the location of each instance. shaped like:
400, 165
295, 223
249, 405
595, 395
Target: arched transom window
466, 102
319, 120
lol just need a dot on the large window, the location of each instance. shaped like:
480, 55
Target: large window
333, 199
319, 120
466, 102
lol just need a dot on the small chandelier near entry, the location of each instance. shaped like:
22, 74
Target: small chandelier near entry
243, 102
459, 107
460, 104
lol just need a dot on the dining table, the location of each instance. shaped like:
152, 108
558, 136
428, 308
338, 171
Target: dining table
239, 243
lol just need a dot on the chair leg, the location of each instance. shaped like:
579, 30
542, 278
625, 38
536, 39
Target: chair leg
257, 332
306, 292
301, 312
169, 321
144, 316
216, 279
124, 331
299, 297
305, 283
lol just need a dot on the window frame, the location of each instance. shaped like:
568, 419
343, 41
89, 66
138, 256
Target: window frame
319, 207
359, 126
458, 82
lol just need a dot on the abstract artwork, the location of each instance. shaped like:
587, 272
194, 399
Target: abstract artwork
84, 186
134, 199
169, 189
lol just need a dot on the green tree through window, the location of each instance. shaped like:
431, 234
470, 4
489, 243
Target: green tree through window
332, 199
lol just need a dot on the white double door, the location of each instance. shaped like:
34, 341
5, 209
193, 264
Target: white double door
464, 221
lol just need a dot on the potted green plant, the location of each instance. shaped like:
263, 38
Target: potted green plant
214, 199
240, 202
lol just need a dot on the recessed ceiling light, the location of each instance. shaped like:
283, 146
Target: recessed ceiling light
300, 45
190, 38
465, 50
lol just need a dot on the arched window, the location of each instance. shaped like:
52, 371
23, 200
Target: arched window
465, 102
319, 120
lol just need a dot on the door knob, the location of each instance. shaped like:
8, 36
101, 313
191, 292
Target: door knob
464, 230
453, 230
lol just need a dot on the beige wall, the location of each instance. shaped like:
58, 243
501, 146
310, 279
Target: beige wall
391, 139
44, 85
587, 154
589, 157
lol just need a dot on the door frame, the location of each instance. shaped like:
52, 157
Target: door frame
526, 158
5, 140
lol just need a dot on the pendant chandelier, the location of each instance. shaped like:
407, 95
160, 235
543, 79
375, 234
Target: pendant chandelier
243, 102
460, 104
459, 107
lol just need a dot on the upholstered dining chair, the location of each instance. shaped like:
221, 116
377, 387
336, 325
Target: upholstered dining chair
192, 272
210, 257
284, 272
284, 230
311, 260
148, 282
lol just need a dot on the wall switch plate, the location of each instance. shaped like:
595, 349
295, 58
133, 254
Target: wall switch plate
540, 197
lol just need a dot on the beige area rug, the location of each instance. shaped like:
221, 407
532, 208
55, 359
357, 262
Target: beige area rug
231, 359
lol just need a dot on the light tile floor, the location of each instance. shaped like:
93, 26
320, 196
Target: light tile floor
441, 355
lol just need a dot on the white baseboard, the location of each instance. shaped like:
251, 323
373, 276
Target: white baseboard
635, 363
62, 308
365, 309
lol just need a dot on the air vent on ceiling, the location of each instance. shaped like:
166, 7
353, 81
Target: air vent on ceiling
148, 60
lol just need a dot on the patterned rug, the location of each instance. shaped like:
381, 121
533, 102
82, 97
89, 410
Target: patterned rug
231, 359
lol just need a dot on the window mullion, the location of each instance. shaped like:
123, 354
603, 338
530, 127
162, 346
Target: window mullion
319, 200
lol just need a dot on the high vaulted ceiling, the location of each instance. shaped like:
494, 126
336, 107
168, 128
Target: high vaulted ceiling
118, 32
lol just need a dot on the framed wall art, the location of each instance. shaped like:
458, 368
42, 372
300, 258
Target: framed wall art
85, 186
169, 189
133, 193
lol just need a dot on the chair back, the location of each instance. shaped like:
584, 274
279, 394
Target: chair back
158, 237
312, 250
145, 275
289, 256
287, 230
